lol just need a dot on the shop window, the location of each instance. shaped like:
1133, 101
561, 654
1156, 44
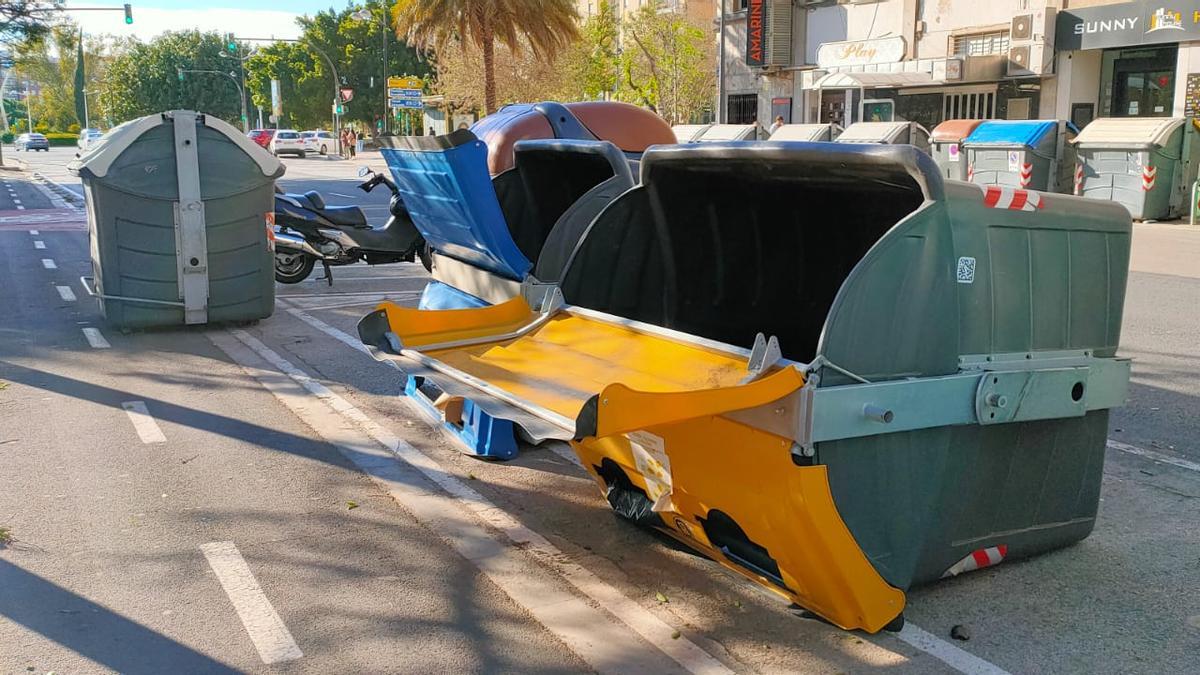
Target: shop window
741, 108
969, 105
980, 44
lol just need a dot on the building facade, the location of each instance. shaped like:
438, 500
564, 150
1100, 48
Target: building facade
932, 60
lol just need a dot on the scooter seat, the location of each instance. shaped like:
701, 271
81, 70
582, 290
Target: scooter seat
346, 216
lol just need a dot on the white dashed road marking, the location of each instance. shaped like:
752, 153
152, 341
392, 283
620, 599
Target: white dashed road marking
39, 244
603, 644
34, 232
65, 293
1156, 456
95, 338
267, 631
49, 264
145, 426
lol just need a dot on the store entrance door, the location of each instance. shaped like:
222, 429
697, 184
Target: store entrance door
1142, 82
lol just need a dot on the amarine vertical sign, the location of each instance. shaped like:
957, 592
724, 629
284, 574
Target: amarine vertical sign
756, 33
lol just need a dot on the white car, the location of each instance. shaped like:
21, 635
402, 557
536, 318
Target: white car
318, 140
87, 137
288, 142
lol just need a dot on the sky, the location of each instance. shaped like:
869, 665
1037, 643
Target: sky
246, 18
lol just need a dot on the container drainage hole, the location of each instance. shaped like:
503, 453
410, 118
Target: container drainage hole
1077, 391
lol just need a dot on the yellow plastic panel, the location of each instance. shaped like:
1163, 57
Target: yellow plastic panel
418, 327
716, 463
563, 363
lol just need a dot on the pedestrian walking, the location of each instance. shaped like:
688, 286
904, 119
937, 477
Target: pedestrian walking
775, 126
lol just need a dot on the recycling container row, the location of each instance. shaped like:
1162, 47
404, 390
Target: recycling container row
179, 216
1146, 164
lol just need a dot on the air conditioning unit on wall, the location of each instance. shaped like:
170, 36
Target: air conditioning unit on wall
1031, 43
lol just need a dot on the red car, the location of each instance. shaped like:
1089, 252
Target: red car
261, 136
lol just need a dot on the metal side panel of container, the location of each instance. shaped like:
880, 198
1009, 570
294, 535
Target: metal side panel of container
240, 267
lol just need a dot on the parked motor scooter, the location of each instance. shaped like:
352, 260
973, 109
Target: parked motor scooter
307, 230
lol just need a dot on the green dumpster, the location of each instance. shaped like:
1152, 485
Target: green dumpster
1147, 164
947, 151
1033, 154
911, 381
179, 207
887, 133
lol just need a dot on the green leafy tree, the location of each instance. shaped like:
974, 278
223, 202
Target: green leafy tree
306, 84
546, 26
591, 63
81, 111
49, 64
145, 79
666, 64
25, 19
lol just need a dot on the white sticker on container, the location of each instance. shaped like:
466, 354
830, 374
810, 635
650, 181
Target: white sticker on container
650, 458
1014, 161
952, 152
966, 270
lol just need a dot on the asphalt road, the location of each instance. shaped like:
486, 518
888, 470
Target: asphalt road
267, 435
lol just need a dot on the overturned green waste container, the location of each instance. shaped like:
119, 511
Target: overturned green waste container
849, 411
178, 206
947, 151
1146, 164
1033, 154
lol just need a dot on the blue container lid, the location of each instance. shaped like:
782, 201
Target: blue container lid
445, 185
1012, 132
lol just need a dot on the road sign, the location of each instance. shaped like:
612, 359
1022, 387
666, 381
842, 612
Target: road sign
396, 92
405, 103
406, 82
276, 99
347, 94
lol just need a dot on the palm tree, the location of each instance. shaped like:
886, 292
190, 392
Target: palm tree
547, 25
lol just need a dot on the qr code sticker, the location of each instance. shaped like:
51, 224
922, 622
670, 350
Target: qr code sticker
966, 270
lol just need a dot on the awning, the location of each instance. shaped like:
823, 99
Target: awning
873, 80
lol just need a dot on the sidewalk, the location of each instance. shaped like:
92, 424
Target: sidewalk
1166, 248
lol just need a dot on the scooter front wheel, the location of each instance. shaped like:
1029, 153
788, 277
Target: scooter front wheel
292, 268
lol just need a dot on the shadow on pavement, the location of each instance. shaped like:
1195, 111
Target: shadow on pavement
93, 631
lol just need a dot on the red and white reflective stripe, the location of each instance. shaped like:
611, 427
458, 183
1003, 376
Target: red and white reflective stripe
996, 197
984, 557
1078, 179
1149, 173
970, 172
1026, 174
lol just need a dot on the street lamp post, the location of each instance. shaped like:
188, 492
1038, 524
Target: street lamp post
364, 14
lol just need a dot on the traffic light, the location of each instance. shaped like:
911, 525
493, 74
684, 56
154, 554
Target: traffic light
128, 13
179, 72
231, 43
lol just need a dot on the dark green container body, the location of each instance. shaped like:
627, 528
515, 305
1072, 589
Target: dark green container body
131, 222
1047, 281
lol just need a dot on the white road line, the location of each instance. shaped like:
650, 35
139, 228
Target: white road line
49, 264
95, 338
267, 631
1156, 456
20, 207
65, 293
145, 426
929, 643
962, 661
585, 630
34, 232
39, 244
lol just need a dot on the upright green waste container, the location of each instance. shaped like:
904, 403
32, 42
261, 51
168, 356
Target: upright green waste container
887, 133
911, 381
179, 208
1033, 154
1147, 164
947, 141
